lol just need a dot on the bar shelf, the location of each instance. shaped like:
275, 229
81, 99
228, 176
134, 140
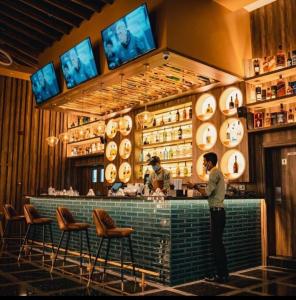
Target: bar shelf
170, 143
166, 126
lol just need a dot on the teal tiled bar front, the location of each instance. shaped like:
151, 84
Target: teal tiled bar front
171, 236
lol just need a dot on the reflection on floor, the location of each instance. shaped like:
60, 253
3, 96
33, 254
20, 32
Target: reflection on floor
32, 278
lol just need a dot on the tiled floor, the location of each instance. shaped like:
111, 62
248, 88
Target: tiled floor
32, 278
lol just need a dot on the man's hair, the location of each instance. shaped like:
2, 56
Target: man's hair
212, 157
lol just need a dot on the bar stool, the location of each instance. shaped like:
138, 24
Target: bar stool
67, 224
34, 220
106, 229
11, 217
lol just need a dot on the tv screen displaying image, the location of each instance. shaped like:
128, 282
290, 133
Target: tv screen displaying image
44, 83
128, 38
78, 64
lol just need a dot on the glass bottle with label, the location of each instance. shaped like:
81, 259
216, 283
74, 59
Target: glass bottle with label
171, 153
256, 67
190, 112
208, 137
228, 133
231, 103
236, 101
291, 116
258, 93
235, 165
209, 109
178, 171
267, 120
289, 60
177, 116
281, 87
282, 115
185, 170
165, 136
180, 133
162, 121
280, 58
184, 114
165, 154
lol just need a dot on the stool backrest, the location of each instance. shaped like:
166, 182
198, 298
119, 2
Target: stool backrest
30, 213
9, 211
103, 222
64, 217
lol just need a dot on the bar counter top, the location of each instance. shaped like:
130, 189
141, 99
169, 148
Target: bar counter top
171, 236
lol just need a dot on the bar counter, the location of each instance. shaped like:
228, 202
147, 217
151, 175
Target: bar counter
171, 236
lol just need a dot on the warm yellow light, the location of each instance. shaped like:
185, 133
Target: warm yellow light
257, 4
101, 128
52, 141
122, 124
64, 137
145, 118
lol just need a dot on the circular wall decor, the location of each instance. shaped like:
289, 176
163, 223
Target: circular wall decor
205, 107
111, 173
127, 126
111, 129
206, 136
125, 149
125, 172
231, 132
230, 100
111, 151
233, 164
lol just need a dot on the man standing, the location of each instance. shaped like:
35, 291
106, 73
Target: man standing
216, 193
160, 177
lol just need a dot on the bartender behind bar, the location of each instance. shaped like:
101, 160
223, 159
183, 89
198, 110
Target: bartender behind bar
160, 177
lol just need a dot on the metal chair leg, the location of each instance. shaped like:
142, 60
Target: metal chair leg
60, 243
4, 233
67, 245
51, 239
96, 259
81, 245
121, 264
106, 259
32, 238
132, 256
88, 246
43, 242
24, 242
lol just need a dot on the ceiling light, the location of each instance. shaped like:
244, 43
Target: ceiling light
257, 4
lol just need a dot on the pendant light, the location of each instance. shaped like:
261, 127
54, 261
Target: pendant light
52, 141
101, 127
145, 118
64, 137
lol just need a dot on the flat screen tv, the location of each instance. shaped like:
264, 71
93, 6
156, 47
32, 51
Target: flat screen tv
128, 38
78, 64
45, 84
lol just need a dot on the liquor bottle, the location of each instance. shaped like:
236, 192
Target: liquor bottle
177, 116
267, 120
209, 109
140, 175
208, 137
178, 152
228, 133
268, 94
171, 153
265, 65
126, 148
146, 141
165, 154
282, 115
258, 93
236, 101
185, 170
294, 57
154, 122
280, 58
281, 87
190, 113
231, 103
256, 67
157, 137
239, 131
291, 116
235, 165
273, 91
180, 133
165, 136
290, 90
289, 60
178, 172
184, 114
170, 118
162, 121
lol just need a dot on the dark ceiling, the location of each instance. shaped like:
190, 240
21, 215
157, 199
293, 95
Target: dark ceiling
28, 27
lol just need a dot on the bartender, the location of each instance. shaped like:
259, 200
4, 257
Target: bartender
160, 177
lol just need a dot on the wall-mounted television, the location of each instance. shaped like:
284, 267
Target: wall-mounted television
44, 83
128, 38
78, 64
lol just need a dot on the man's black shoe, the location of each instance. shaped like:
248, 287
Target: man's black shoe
216, 278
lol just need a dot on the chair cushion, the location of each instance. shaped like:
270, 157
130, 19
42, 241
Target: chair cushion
76, 226
107, 220
17, 218
119, 232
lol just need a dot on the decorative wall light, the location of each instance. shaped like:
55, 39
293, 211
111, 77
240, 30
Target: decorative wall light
64, 137
52, 141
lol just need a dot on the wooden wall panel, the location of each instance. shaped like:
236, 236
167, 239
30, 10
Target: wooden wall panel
27, 165
273, 25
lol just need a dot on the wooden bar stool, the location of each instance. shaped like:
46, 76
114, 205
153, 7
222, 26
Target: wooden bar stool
34, 220
106, 229
67, 224
11, 217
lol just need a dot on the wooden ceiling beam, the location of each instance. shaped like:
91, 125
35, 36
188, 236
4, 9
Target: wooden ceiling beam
36, 26
16, 71
30, 12
93, 5
16, 54
72, 8
16, 27
52, 11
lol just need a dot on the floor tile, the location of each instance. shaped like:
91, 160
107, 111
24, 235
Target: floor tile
81, 292
131, 287
242, 282
204, 289
17, 267
163, 293
34, 275
277, 289
264, 274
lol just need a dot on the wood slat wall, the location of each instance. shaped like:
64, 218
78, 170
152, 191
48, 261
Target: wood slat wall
273, 25
27, 165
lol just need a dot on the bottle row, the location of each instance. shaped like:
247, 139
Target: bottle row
285, 114
167, 135
275, 89
86, 149
80, 121
81, 134
168, 153
270, 63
